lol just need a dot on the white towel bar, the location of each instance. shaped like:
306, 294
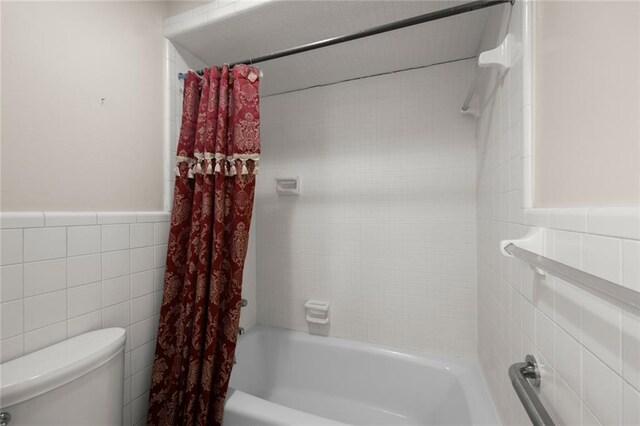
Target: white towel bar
623, 297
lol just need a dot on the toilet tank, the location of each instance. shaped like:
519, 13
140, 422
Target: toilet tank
75, 382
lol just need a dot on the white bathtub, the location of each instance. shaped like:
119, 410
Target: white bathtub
284, 377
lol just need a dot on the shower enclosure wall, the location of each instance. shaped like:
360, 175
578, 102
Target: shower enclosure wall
385, 226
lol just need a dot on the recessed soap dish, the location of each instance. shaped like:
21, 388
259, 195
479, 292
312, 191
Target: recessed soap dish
288, 186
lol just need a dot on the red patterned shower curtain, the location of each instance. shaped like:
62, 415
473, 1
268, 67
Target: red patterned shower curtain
217, 160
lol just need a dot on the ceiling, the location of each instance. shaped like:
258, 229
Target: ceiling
219, 35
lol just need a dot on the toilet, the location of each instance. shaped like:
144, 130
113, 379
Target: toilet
75, 382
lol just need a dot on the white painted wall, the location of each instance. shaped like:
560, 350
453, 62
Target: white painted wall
385, 227
62, 148
587, 103
588, 349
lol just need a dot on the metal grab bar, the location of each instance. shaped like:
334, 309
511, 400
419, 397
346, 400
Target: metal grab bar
520, 374
623, 297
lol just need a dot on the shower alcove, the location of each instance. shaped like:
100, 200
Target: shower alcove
385, 226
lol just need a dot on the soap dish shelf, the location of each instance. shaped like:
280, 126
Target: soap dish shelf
500, 59
317, 312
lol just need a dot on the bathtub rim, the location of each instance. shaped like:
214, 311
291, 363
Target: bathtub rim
467, 372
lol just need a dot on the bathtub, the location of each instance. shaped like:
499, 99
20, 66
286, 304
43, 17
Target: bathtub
289, 378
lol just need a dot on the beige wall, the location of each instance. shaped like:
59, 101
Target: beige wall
62, 148
587, 96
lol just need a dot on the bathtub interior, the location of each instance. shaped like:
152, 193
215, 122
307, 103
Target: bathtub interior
348, 382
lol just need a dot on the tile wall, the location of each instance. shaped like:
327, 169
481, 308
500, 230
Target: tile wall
384, 228
63, 274
589, 349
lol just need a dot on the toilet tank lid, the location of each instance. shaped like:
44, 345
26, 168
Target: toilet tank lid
31, 375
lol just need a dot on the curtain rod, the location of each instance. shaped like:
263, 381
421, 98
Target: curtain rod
392, 26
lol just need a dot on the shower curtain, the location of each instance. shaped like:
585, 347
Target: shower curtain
217, 159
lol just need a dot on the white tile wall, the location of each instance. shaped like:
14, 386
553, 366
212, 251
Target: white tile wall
115, 290
44, 243
83, 240
142, 235
115, 237
384, 229
69, 218
115, 264
11, 243
13, 278
69, 275
21, 220
42, 277
83, 269
588, 348
631, 350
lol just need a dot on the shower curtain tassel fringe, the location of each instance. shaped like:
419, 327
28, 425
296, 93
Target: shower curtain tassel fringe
245, 171
198, 168
232, 169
